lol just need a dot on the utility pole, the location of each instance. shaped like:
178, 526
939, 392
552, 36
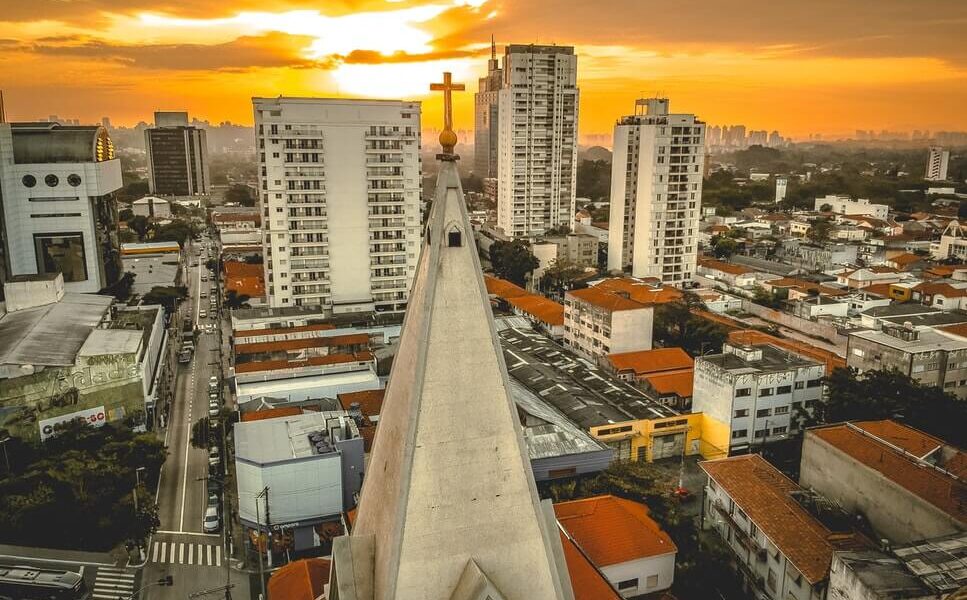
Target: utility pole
258, 525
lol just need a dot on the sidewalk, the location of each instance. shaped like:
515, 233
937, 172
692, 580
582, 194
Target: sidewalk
101, 559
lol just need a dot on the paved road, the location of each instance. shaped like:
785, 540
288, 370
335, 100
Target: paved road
196, 561
105, 581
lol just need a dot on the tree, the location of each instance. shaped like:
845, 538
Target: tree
235, 300
513, 260
774, 299
241, 194
819, 231
125, 214
962, 210
211, 264
121, 289
176, 231
676, 325
254, 259
560, 276
723, 246
76, 489
140, 225
166, 296
594, 179
891, 395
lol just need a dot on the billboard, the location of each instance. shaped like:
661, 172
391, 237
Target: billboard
96, 417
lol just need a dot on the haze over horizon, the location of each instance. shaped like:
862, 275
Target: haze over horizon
822, 67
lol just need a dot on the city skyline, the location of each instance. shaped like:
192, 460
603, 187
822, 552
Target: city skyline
793, 72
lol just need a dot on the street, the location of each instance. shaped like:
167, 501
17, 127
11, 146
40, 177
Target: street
197, 561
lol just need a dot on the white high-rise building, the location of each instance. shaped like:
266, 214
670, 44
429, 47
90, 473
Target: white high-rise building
537, 139
340, 197
937, 162
782, 182
656, 192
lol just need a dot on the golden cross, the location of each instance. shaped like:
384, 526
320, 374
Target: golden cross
447, 136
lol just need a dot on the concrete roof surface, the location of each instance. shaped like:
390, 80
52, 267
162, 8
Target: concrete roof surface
112, 341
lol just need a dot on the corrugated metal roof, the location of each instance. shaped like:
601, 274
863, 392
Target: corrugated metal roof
51, 335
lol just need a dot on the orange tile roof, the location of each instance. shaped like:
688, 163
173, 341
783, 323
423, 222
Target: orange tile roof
960, 329
604, 299
335, 341
941, 289
244, 278
272, 413
793, 282
368, 433
641, 290
370, 401
234, 217
503, 288
905, 260
303, 579
541, 308
678, 383
879, 289
314, 361
645, 362
752, 337
912, 440
932, 486
284, 330
763, 493
612, 530
718, 265
587, 582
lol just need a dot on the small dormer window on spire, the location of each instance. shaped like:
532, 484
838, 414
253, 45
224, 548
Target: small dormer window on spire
454, 237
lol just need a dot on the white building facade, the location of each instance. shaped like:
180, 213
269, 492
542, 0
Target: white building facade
938, 160
354, 164
844, 205
485, 119
537, 139
756, 392
656, 193
59, 213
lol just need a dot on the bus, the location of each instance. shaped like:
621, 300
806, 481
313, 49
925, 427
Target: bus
34, 583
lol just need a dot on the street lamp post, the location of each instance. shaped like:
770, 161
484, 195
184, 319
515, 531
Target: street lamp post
258, 525
166, 581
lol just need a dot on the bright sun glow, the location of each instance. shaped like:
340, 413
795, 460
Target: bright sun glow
405, 80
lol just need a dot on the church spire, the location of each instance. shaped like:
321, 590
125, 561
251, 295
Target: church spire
449, 509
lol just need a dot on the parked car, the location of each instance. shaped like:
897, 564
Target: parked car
212, 500
202, 314
212, 522
212, 411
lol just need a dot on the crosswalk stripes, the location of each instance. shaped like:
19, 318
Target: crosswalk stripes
112, 584
186, 553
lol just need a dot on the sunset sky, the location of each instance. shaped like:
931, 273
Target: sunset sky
827, 66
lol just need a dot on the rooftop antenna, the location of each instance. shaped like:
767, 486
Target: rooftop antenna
493, 48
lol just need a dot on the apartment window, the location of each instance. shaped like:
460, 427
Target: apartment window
628, 584
812, 383
771, 580
742, 412
778, 430
800, 385
652, 581
740, 433
743, 392
765, 392
761, 433
63, 253
784, 389
781, 410
763, 412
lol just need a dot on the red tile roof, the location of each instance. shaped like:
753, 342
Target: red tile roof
645, 362
237, 217
244, 279
679, 383
879, 289
763, 493
334, 341
272, 413
646, 291
587, 582
314, 361
941, 490
304, 579
718, 265
941, 289
503, 288
284, 330
604, 299
539, 307
809, 286
905, 260
370, 401
612, 530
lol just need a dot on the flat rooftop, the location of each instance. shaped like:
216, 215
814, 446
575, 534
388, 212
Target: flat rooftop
927, 341
773, 359
939, 562
583, 392
292, 437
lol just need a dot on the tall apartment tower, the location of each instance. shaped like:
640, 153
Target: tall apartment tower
58, 213
656, 192
537, 139
339, 189
485, 118
937, 161
177, 156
